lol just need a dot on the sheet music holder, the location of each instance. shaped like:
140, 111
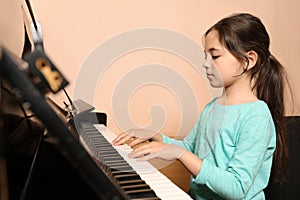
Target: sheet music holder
80, 107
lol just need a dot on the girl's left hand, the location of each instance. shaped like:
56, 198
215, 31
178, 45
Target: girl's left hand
157, 150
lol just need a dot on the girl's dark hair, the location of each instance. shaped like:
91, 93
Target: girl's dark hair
241, 33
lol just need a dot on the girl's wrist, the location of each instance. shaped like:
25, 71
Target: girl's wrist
158, 137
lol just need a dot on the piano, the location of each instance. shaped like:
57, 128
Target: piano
88, 166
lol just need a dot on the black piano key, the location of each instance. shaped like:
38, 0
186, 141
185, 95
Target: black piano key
107, 161
122, 168
141, 194
135, 186
115, 164
135, 194
132, 182
126, 177
105, 153
114, 173
110, 159
139, 191
122, 162
118, 168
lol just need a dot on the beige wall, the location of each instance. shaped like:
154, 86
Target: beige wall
74, 29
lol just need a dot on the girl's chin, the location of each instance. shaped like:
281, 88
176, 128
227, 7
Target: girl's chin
215, 85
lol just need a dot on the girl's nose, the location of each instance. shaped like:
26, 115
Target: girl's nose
206, 63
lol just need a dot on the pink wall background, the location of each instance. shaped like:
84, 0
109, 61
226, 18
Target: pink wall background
73, 30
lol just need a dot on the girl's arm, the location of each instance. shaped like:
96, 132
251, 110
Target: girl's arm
191, 162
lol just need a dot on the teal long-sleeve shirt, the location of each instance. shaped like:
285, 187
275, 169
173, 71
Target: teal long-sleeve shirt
236, 144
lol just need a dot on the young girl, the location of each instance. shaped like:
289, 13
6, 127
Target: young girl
231, 149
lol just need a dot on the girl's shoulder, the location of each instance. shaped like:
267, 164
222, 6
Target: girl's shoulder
257, 107
250, 109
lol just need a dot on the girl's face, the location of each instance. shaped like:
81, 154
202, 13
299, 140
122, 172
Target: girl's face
222, 68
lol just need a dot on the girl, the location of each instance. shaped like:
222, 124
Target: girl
231, 149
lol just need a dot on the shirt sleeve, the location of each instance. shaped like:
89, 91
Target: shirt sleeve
250, 153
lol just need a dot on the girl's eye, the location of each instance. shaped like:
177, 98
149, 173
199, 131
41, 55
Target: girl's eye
215, 57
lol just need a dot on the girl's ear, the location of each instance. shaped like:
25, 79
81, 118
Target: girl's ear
252, 57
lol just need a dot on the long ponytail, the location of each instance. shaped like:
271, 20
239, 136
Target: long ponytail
270, 86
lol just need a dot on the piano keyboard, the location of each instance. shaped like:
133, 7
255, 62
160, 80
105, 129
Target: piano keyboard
138, 180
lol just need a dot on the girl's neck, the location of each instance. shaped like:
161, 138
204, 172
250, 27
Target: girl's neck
240, 95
